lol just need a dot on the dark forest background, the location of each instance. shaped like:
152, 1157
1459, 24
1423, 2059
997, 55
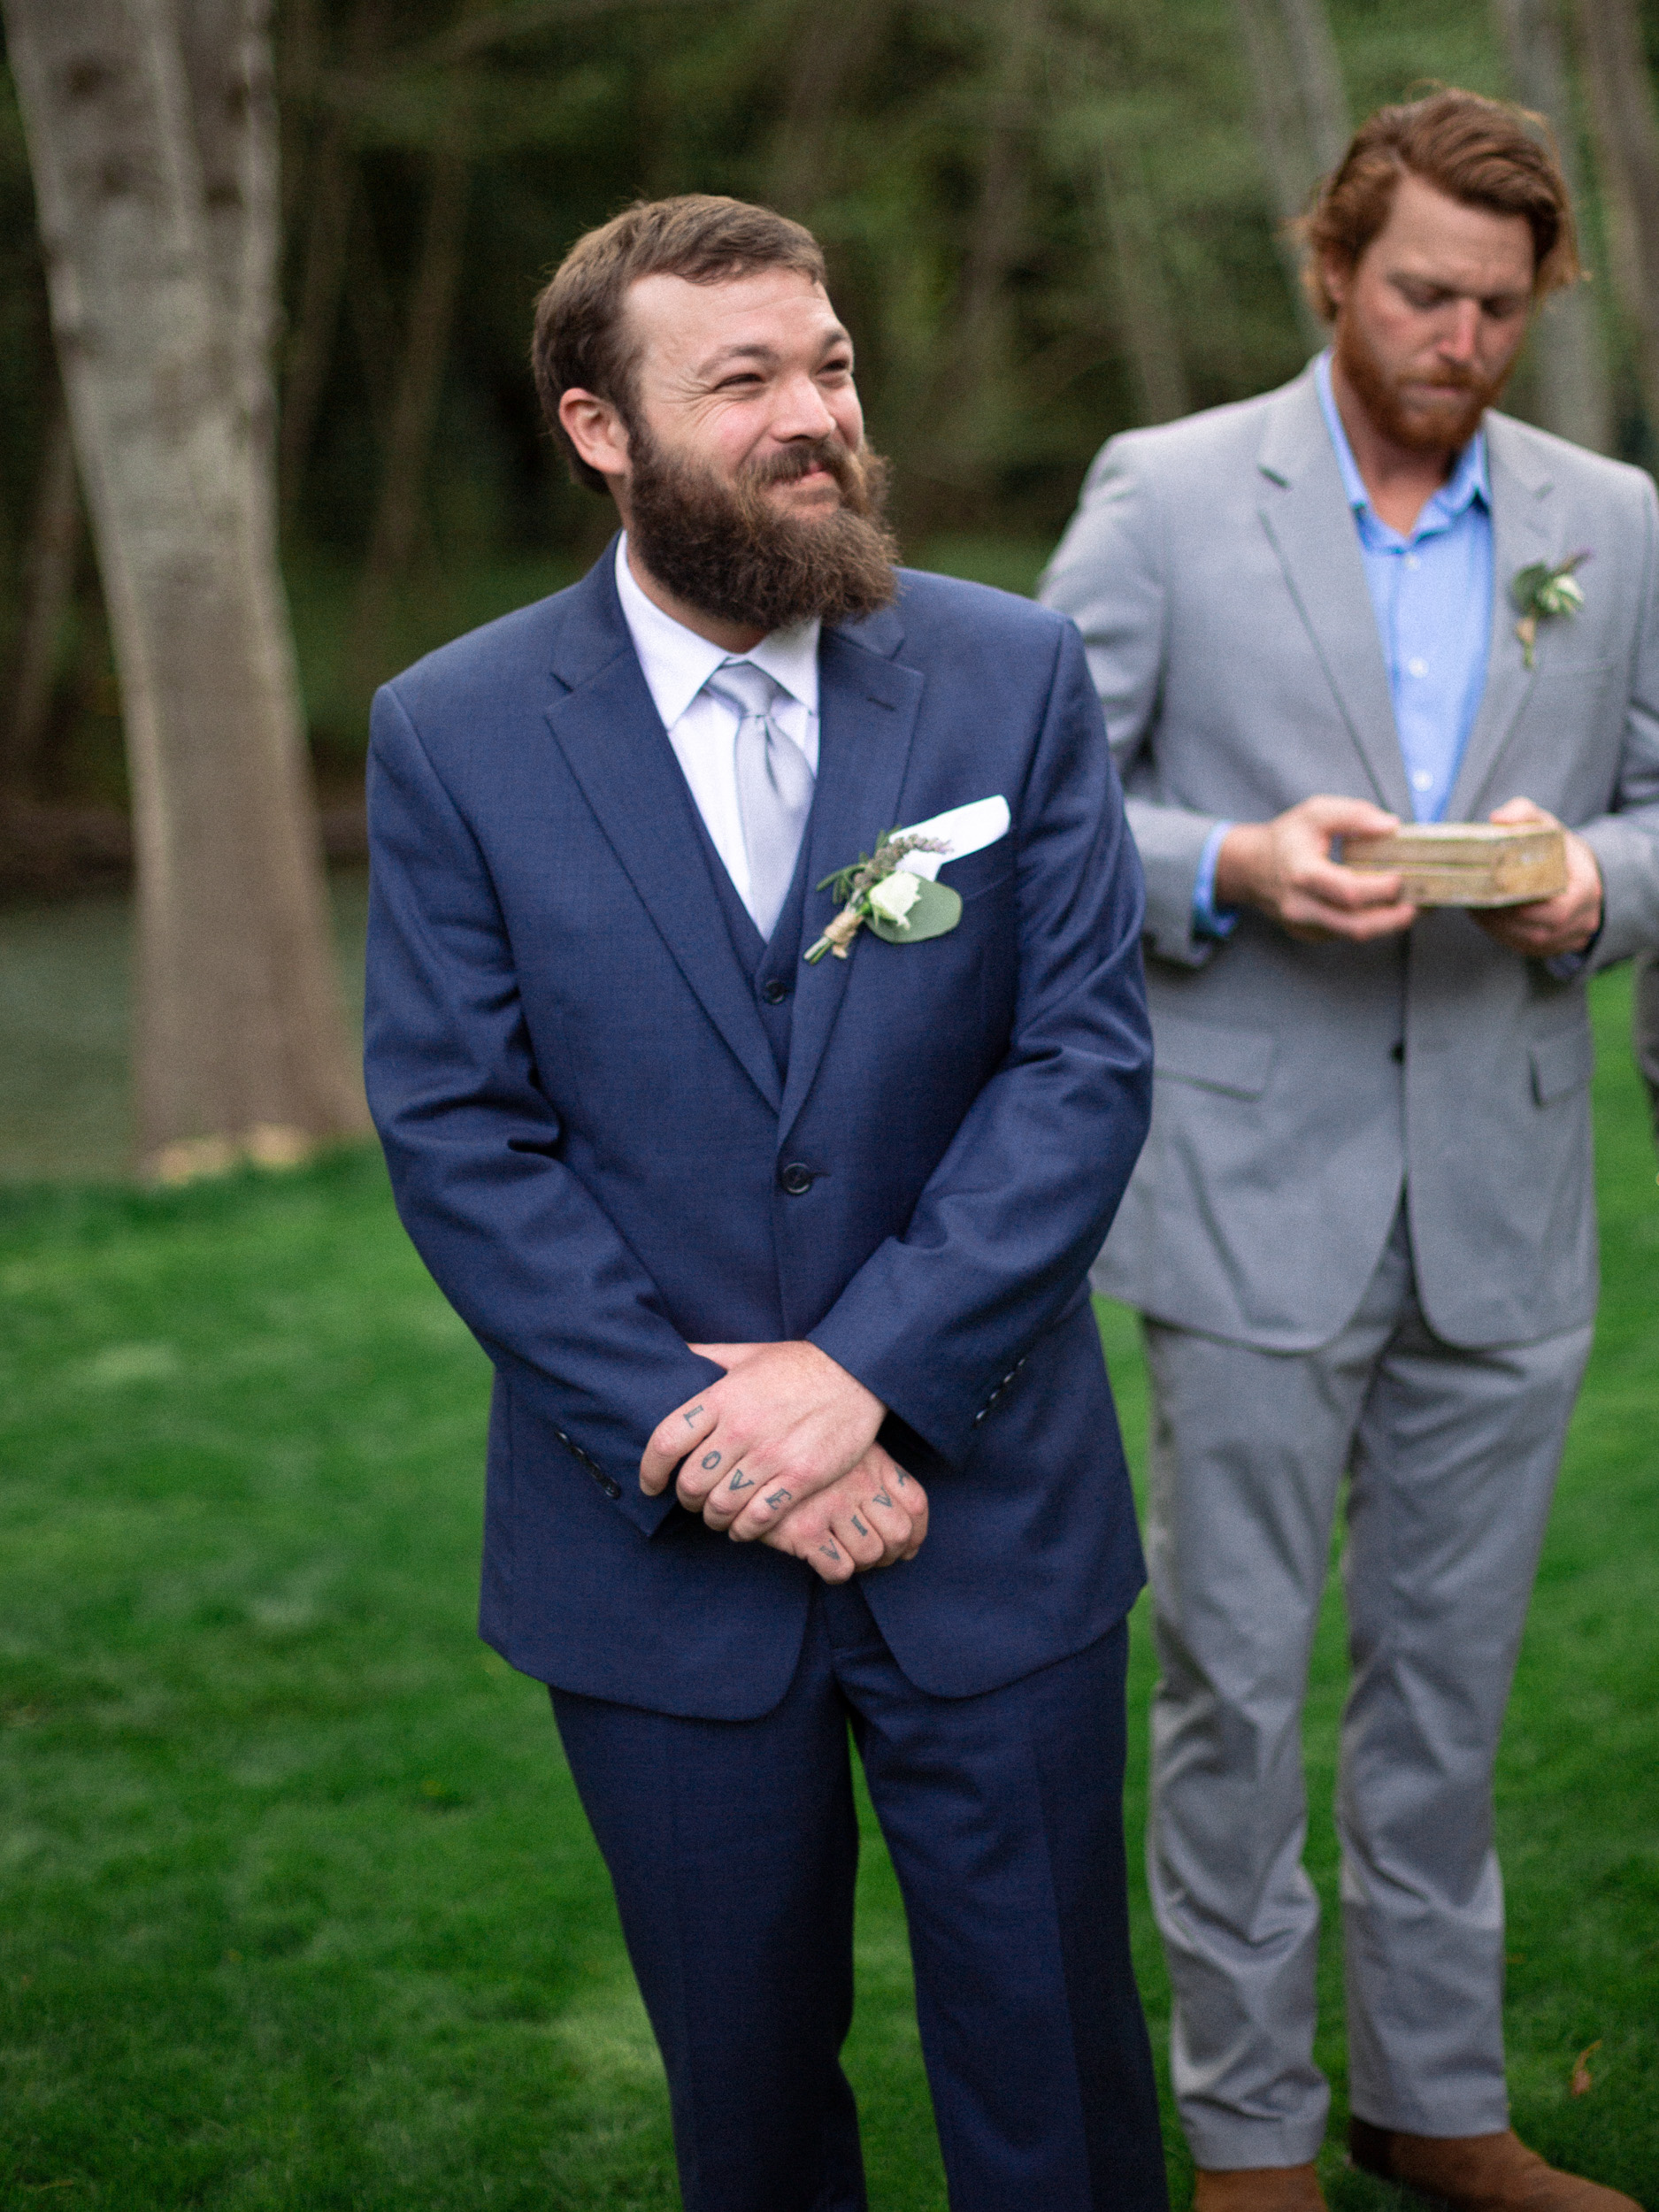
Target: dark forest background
1047, 219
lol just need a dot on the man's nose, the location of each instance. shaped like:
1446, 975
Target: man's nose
800, 412
1458, 340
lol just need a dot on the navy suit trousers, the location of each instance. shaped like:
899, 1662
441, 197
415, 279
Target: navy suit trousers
733, 1847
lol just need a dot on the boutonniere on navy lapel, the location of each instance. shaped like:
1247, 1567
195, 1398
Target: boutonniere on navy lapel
896, 890
1543, 591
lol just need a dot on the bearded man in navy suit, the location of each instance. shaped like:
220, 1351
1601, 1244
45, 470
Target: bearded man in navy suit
800, 1422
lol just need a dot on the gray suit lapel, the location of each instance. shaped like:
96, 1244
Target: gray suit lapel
1522, 520
1305, 512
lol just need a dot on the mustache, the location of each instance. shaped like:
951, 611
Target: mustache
829, 453
1451, 379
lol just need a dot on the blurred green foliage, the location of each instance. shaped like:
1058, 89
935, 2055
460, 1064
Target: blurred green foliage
1014, 194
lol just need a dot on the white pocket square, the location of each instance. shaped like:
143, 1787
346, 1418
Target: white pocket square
963, 830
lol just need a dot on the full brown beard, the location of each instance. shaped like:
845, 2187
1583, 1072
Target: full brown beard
722, 546
1439, 429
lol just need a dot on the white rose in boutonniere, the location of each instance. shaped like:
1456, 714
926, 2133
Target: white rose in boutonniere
894, 895
878, 891
1541, 593
895, 889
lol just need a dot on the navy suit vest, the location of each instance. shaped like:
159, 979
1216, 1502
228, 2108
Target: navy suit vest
770, 965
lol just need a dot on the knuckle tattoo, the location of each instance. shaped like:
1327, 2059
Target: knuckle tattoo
709, 1462
692, 1413
777, 1498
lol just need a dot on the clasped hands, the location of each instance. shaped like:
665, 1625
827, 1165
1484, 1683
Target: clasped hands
783, 1451
1284, 868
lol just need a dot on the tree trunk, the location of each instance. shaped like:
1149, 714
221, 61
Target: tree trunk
49, 585
957, 418
1575, 398
415, 398
151, 137
1151, 334
1301, 122
829, 50
1627, 147
334, 175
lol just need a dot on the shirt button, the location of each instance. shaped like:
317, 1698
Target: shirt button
1422, 779
1412, 561
1416, 668
796, 1178
774, 990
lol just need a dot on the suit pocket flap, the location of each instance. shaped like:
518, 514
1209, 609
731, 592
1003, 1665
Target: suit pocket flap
1562, 1063
1235, 1061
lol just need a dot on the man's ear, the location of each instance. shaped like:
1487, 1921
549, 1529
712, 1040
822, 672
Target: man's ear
1336, 275
597, 430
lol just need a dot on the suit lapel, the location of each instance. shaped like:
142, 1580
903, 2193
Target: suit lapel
1306, 514
609, 730
867, 709
1521, 523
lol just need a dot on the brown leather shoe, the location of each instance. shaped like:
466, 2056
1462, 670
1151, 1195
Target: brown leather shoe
1258, 2189
1477, 2173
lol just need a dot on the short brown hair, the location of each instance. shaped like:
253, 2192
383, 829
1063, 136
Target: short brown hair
1485, 153
579, 343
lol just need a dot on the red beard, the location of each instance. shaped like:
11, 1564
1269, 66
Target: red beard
1442, 426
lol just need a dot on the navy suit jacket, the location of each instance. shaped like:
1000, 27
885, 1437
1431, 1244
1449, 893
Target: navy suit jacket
587, 1130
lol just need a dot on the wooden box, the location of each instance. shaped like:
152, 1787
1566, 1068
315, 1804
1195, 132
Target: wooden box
1467, 863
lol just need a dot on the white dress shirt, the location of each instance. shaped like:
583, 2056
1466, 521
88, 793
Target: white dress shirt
701, 729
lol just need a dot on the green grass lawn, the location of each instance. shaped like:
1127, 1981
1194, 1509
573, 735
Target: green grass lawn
297, 1908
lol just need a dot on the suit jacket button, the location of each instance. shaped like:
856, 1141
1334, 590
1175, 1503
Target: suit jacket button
774, 990
1397, 1050
796, 1178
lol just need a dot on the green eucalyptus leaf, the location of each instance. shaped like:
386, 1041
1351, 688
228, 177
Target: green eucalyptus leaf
1524, 589
937, 910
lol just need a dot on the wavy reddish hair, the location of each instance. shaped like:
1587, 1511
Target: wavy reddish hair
1485, 153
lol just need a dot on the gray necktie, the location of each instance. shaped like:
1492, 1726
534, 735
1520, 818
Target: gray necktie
774, 787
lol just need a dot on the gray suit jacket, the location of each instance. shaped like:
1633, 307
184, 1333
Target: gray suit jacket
1213, 570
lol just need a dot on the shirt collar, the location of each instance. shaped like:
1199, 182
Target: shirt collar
677, 662
1467, 482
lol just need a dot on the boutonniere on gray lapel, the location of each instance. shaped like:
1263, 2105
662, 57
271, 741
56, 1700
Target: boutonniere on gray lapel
1540, 592
895, 890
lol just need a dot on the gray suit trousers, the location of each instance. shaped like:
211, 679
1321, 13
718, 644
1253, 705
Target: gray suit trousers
1451, 1457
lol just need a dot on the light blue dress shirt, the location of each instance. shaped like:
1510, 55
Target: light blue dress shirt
1431, 593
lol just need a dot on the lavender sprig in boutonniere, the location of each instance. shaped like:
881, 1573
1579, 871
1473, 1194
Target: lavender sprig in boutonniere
1540, 592
901, 907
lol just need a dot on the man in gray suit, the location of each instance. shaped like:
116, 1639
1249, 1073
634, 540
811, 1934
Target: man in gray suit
1362, 1233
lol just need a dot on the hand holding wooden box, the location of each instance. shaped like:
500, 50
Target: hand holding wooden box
1467, 863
